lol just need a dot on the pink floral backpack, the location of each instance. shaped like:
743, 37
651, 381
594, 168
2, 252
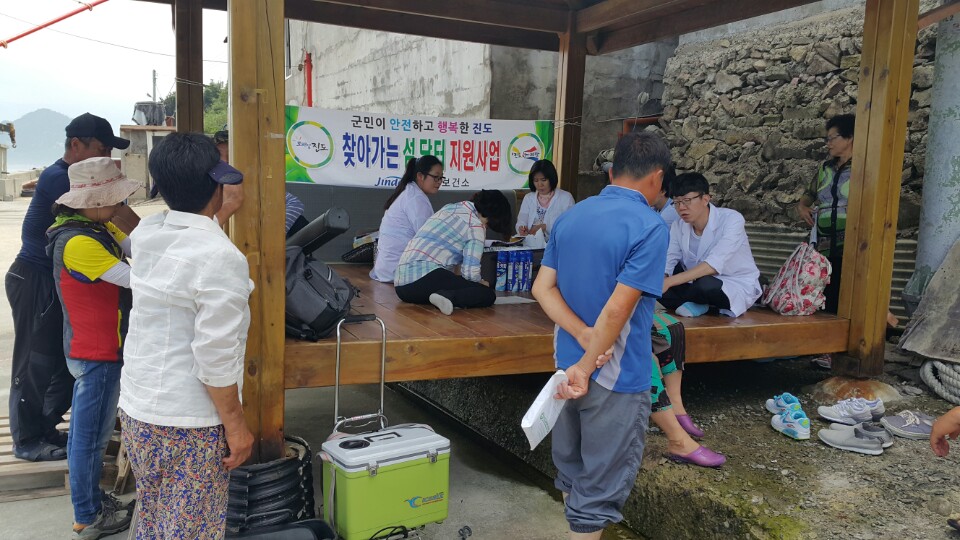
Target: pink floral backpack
798, 287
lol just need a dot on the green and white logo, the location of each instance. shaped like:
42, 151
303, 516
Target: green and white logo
310, 144
525, 150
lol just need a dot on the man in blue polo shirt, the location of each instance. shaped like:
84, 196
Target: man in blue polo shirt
41, 387
601, 275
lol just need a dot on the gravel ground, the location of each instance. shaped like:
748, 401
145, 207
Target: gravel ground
784, 488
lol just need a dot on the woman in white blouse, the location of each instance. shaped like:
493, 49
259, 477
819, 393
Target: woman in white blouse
545, 202
406, 211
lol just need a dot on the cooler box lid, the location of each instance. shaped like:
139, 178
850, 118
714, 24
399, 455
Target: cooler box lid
385, 447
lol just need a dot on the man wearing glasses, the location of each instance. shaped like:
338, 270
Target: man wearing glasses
709, 262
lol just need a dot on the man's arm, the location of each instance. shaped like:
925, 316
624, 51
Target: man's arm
697, 272
239, 439
546, 292
232, 200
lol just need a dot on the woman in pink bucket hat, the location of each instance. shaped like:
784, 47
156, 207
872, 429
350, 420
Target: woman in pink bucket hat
92, 277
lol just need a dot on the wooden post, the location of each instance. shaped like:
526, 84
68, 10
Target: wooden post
256, 148
188, 26
569, 112
889, 42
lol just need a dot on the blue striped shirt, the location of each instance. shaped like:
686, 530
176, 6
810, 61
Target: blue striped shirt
294, 209
452, 236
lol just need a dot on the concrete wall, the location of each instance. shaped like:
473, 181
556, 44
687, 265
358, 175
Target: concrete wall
525, 88
389, 73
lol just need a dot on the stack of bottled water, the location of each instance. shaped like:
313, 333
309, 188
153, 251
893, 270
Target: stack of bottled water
514, 270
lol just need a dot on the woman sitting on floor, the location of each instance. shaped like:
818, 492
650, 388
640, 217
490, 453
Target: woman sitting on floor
406, 211
453, 236
545, 202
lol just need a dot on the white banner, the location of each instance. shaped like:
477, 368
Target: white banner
342, 148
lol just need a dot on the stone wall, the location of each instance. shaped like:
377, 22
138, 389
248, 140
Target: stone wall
748, 111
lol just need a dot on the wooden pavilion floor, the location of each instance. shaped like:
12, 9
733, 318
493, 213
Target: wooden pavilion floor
511, 339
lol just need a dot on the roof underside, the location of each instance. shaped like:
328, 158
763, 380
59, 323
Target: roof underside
610, 25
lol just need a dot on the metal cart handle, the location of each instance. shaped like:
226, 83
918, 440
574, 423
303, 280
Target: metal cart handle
357, 319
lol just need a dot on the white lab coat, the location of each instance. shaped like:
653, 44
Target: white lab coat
724, 246
560, 203
400, 222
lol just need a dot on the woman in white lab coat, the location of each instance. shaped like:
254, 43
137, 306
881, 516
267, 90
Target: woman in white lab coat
545, 202
406, 211
709, 262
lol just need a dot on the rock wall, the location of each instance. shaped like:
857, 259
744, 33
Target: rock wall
748, 111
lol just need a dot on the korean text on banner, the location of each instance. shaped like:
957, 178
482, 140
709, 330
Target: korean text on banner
543, 414
343, 148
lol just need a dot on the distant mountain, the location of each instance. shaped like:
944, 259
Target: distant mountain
40, 139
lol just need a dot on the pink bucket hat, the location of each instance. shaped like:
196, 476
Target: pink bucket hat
97, 182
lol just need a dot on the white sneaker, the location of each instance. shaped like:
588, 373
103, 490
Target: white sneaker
849, 411
793, 424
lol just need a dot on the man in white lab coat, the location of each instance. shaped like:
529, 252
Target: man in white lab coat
709, 262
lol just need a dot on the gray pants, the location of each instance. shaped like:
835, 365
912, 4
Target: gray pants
597, 448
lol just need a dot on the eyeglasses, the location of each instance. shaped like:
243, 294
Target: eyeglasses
828, 140
440, 179
685, 202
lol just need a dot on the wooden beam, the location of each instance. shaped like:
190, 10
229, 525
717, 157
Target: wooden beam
937, 14
886, 68
628, 12
690, 20
188, 26
572, 63
421, 25
256, 148
500, 14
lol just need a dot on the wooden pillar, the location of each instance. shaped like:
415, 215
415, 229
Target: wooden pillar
188, 26
889, 42
256, 148
569, 112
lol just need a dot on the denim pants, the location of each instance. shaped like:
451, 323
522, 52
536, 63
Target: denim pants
94, 414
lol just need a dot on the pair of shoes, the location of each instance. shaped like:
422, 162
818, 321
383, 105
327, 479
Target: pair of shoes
824, 361
793, 424
703, 457
687, 424
783, 402
109, 502
788, 416
867, 438
442, 302
909, 424
853, 411
692, 309
109, 521
40, 451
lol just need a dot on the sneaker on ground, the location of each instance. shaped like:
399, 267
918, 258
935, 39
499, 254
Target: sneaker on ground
692, 309
848, 439
443, 303
108, 522
868, 430
849, 411
793, 424
909, 425
784, 402
876, 407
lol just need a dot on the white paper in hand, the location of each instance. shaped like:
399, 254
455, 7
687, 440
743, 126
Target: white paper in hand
543, 414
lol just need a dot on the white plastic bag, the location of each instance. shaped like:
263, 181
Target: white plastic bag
542, 415
535, 241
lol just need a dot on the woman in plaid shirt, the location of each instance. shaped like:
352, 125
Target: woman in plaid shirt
453, 236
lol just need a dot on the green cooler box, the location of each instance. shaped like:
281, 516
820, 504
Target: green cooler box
398, 476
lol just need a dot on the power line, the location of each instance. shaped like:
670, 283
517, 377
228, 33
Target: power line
105, 42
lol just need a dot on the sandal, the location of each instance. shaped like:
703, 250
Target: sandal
41, 451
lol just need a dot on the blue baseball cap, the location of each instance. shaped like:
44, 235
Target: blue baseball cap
224, 173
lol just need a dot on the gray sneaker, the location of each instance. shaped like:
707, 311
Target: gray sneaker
909, 425
868, 430
847, 439
849, 411
109, 521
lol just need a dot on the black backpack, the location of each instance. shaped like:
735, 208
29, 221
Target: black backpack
317, 297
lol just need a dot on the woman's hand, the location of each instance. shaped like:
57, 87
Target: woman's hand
535, 228
523, 231
806, 213
947, 426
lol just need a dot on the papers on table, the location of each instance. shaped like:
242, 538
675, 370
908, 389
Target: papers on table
543, 414
514, 300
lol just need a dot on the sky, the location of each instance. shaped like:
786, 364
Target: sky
73, 75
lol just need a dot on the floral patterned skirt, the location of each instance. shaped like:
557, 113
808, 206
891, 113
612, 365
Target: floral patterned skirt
182, 484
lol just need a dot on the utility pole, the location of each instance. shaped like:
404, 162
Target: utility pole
154, 86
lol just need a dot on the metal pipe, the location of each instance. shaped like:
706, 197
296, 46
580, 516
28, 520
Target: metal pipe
86, 7
308, 74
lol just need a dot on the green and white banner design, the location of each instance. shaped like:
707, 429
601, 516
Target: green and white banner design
345, 148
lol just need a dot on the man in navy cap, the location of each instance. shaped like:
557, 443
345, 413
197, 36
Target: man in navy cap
41, 387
